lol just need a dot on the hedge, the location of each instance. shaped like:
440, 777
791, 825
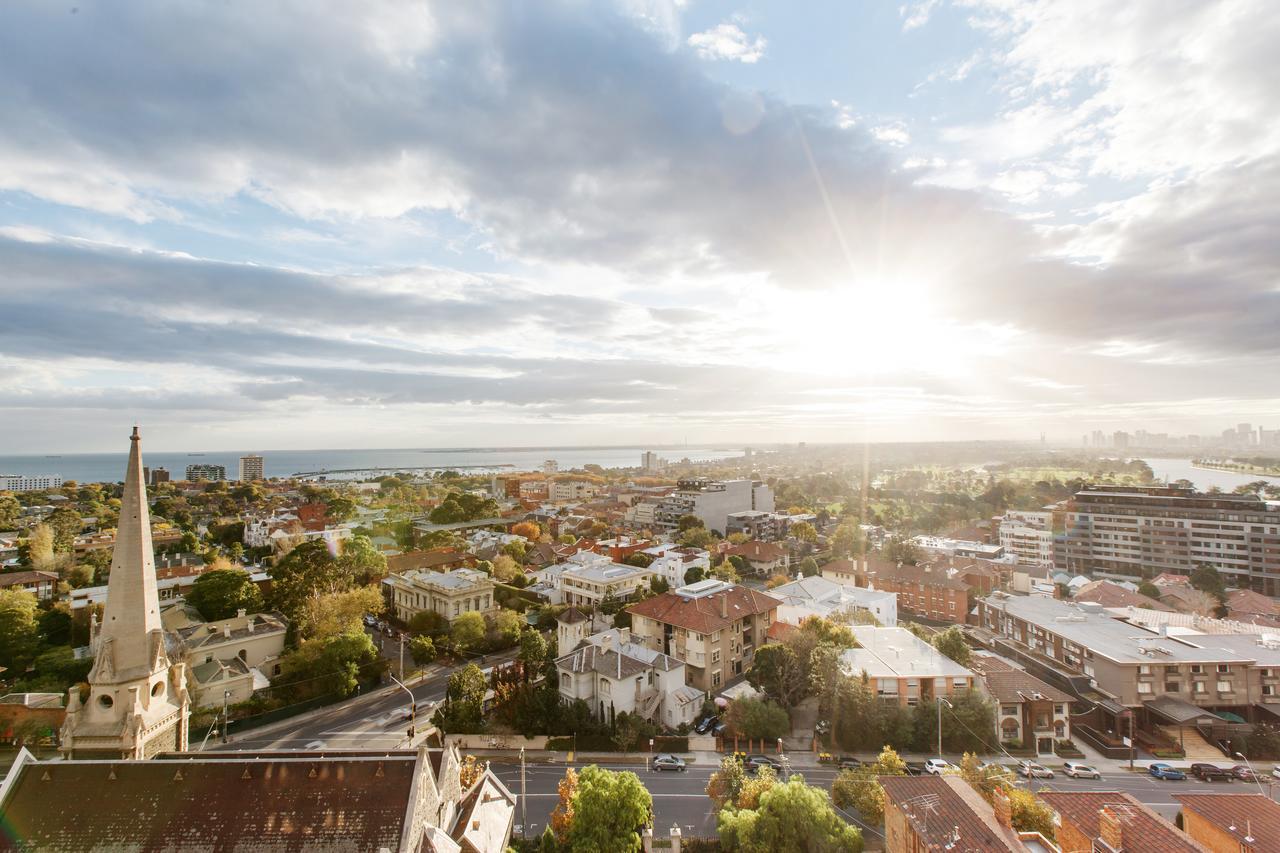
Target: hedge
670, 744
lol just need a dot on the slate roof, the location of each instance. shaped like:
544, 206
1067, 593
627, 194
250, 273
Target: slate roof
1141, 828
633, 659
269, 805
1251, 814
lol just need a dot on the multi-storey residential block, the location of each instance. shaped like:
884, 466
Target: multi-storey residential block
203, 471
933, 592
713, 626
448, 593
1143, 531
712, 501
1028, 536
673, 562
904, 668
42, 585
588, 578
251, 468
572, 490
841, 602
1030, 711
29, 483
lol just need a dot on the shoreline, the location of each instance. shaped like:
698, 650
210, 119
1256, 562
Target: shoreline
1232, 470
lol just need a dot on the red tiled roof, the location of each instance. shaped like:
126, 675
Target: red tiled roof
1171, 579
1014, 685
1247, 601
704, 614
939, 806
1251, 814
757, 552
433, 559
1141, 827
1110, 594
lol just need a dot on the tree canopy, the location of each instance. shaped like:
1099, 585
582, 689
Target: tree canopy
609, 811
219, 593
791, 816
303, 572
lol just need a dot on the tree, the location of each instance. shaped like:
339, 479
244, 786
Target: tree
66, 525
423, 650
562, 814
658, 585
639, 559
791, 816
219, 593
609, 810
430, 623
900, 549
951, 643
361, 561
694, 574
804, 532
340, 508
329, 614
725, 784
697, 537
507, 625
528, 529
754, 787
688, 522
1207, 579
463, 701
335, 665
808, 567
847, 540
1149, 589
533, 653
860, 789
779, 674
1029, 813
19, 631
40, 551
752, 718
10, 509
776, 581
303, 572
467, 631
505, 568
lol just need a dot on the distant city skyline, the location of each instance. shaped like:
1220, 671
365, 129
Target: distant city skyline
445, 224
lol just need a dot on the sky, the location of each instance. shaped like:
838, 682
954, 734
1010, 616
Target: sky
405, 224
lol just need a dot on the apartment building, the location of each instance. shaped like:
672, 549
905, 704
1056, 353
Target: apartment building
805, 597
43, 585
928, 591
1143, 531
448, 593
1154, 671
571, 490
1031, 712
712, 626
202, 471
712, 501
672, 562
1028, 536
588, 578
904, 668
251, 468
29, 483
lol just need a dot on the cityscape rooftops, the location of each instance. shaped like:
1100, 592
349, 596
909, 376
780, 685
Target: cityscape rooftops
897, 653
1252, 820
1138, 827
705, 606
605, 571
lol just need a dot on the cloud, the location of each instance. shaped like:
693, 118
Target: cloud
916, 15
728, 41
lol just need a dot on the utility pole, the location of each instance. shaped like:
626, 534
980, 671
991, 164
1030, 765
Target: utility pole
949, 705
402, 655
1132, 743
524, 808
226, 695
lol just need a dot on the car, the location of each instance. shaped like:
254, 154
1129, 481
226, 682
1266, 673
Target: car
755, 762
1160, 770
1034, 771
719, 729
706, 724
937, 766
1244, 773
1076, 770
848, 762
666, 761
1210, 772
915, 768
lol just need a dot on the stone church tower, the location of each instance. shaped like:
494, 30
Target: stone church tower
137, 704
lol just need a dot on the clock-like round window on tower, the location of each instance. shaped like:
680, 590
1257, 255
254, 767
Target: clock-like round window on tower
157, 689
105, 701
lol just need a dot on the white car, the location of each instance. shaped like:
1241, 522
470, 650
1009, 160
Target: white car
1276, 772
1032, 770
1076, 770
938, 766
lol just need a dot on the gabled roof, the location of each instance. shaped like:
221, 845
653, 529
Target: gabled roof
1245, 601
1142, 829
757, 552
939, 808
1110, 594
707, 613
1012, 686
572, 616
1239, 815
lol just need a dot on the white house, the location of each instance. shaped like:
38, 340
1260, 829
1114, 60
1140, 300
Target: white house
818, 596
675, 562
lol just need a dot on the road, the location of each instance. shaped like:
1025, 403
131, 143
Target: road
366, 722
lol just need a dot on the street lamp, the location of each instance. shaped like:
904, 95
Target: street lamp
942, 702
413, 705
226, 695
1257, 780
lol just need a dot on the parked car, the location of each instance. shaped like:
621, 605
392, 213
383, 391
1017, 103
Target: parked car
1276, 772
915, 768
706, 724
1244, 773
1076, 770
1210, 772
1034, 771
755, 762
1160, 770
848, 762
938, 766
666, 761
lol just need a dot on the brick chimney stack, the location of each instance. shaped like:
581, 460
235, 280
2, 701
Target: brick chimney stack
1003, 809
1110, 830
724, 605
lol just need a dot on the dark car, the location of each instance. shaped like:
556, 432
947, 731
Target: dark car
755, 762
915, 768
706, 724
1244, 773
1210, 772
848, 762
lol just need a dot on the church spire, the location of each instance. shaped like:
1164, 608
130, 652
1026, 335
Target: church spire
133, 605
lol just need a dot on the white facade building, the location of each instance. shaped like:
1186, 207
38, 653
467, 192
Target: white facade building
251, 468
712, 501
571, 490
29, 483
818, 596
1028, 537
587, 578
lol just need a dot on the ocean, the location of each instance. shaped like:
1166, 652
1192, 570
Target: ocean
109, 467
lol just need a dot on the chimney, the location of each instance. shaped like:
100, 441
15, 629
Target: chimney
1003, 810
724, 605
1110, 830
624, 636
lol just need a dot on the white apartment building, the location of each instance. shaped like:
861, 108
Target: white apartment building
448, 593
251, 468
29, 483
673, 562
1028, 536
571, 490
818, 596
712, 501
202, 471
587, 578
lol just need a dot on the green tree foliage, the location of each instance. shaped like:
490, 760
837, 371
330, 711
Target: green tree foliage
1207, 579
694, 575
967, 725
335, 665
461, 506
9, 511
779, 674
639, 560
726, 783
791, 816
506, 627
430, 623
860, 789
848, 540
697, 537
951, 643
900, 549
463, 705
1029, 813
533, 653
218, 594
753, 718
19, 630
609, 811
361, 561
1149, 589
55, 624
505, 568
340, 508
329, 614
467, 631
305, 571
804, 532
688, 522
808, 567
66, 525
423, 650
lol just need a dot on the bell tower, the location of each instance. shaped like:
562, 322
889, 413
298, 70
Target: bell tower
137, 704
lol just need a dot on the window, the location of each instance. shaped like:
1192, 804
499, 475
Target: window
1224, 668
715, 656
1266, 672
1009, 710
1144, 669
1268, 690
1224, 686
1199, 687
1060, 710
1144, 687
715, 679
1171, 687
1196, 669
